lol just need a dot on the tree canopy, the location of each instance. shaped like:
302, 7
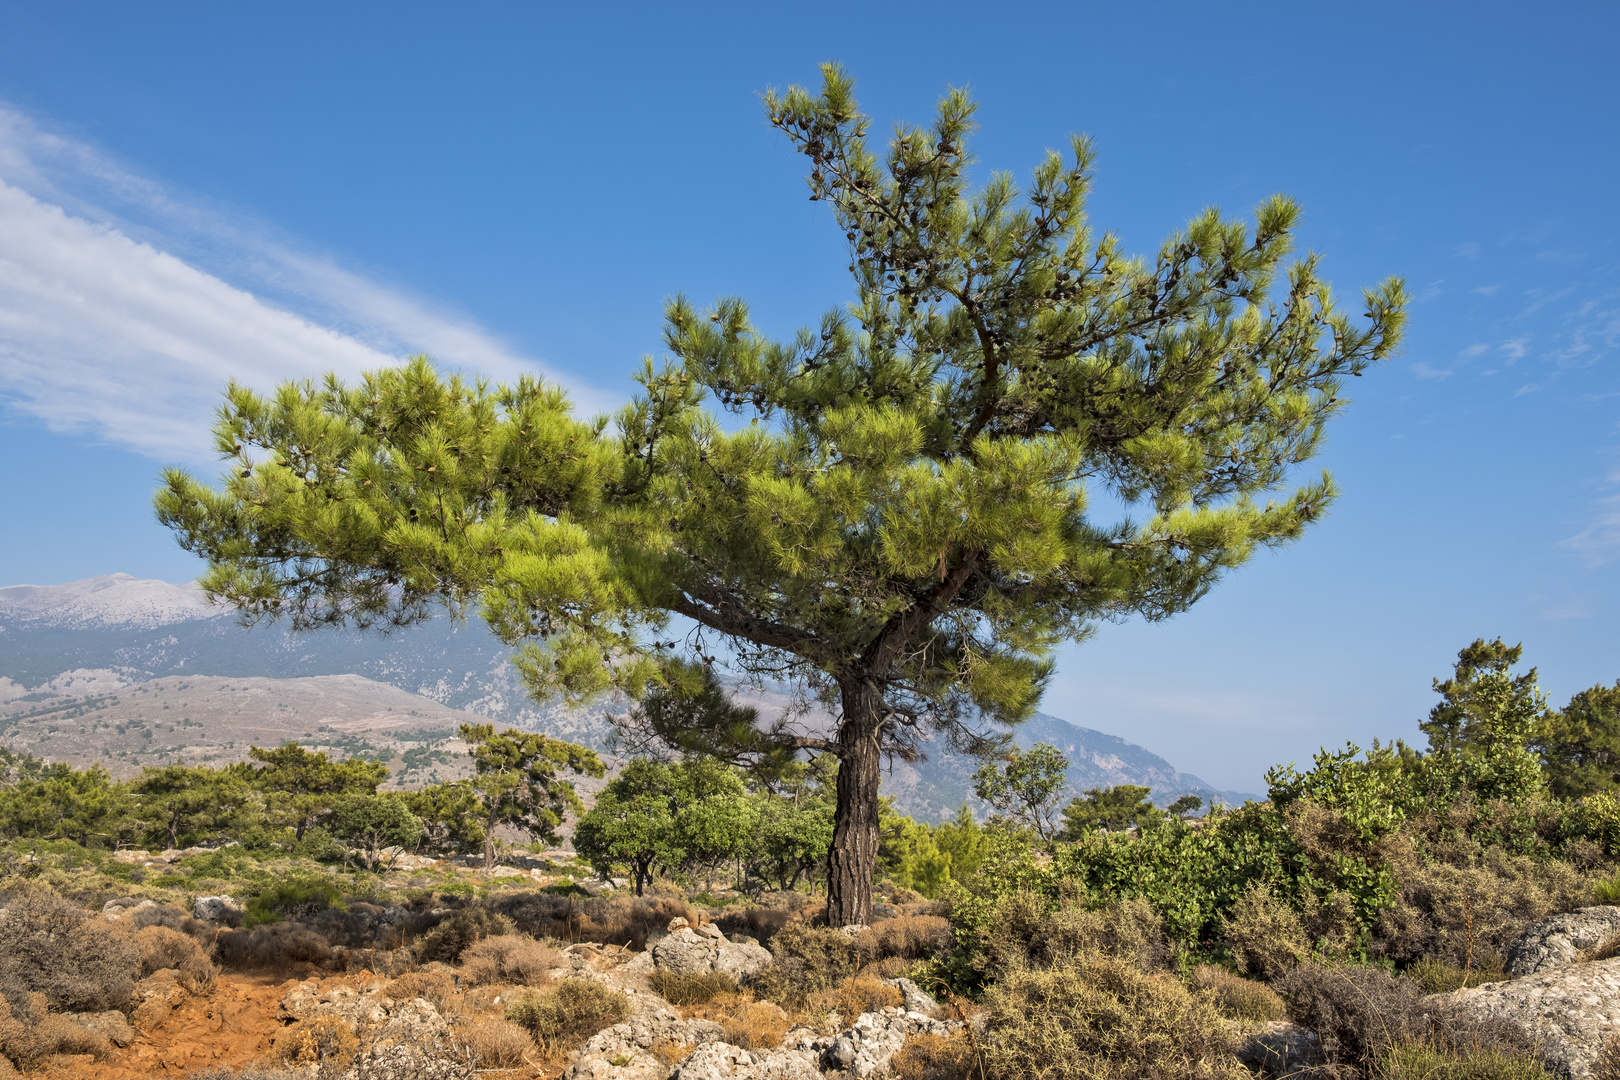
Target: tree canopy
898, 522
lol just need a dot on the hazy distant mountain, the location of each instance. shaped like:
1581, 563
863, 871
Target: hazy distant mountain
79, 648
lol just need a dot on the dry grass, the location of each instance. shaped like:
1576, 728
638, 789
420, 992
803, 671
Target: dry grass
509, 958
325, 1041
758, 1025
1607, 1065
617, 920
30, 1033
1264, 933
572, 1012
1093, 1015
1437, 976
690, 989
1237, 998
864, 994
437, 988
494, 1044
910, 937
935, 1057
671, 1052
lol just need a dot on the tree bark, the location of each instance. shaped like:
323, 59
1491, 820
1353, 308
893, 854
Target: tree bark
852, 859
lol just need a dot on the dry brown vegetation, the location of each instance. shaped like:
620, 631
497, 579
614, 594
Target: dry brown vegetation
494, 1043
572, 1011
508, 958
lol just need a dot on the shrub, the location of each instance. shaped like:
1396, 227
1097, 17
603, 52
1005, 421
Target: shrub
1607, 1065
760, 923
1093, 1015
690, 989
1237, 998
324, 1040
28, 1033
576, 1009
1359, 1013
164, 948
52, 947
293, 898
936, 1057
508, 958
908, 937
273, 946
434, 987
1021, 931
495, 1044
617, 920
1422, 1061
446, 941
863, 994
759, 1025
1437, 976
1264, 934
890, 967
809, 960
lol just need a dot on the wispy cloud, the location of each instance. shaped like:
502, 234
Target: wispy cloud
124, 308
1599, 542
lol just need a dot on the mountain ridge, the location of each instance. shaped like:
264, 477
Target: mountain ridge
118, 628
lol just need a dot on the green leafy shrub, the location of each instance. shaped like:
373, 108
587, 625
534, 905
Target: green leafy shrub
1091, 1015
694, 989
295, 898
575, 1009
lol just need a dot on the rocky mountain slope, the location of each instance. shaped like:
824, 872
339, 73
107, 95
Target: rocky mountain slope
85, 667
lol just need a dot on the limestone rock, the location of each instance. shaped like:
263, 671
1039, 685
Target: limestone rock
1561, 939
631, 1042
865, 1047
214, 908
1570, 1011
110, 1024
722, 1061
1281, 1049
917, 999
124, 907
155, 997
694, 952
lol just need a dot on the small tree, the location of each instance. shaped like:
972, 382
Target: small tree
515, 780
1480, 734
1026, 786
452, 817
795, 821
633, 822
302, 786
374, 823
1123, 806
191, 803
902, 530
1580, 744
1185, 806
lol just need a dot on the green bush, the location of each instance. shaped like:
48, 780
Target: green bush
575, 1009
1422, 1061
295, 898
1264, 934
446, 941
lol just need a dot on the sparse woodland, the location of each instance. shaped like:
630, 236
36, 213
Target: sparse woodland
897, 525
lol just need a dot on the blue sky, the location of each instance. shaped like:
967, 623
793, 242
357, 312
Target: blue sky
191, 192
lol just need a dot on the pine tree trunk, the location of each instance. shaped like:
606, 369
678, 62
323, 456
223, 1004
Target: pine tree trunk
852, 859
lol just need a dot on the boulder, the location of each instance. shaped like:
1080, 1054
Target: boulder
124, 907
699, 952
1562, 939
214, 908
1281, 1049
1569, 1011
110, 1024
917, 999
155, 997
865, 1047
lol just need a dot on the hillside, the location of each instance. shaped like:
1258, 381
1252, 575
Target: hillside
133, 672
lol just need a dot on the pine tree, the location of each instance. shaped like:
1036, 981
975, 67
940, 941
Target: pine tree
898, 522
1580, 744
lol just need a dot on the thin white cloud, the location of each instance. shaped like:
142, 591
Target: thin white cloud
1599, 542
124, 308
1425, 370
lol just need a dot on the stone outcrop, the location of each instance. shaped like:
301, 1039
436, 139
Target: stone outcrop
1569, 1011
865, 1047
624, 1051
399, 1040
110, 1024
1280, 1049
722, 1061
155, 997
1562, 939
214, 908
703, 950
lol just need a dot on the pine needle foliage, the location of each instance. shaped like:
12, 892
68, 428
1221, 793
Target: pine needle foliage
900, 528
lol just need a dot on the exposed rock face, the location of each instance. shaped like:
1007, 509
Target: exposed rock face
1281, 1049
1561, 939
700, 951
124, 907
399, 1040
631, 1043
111, 1024
864, 1048
722, 1061
214, 908
155, 997
1570, 1011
